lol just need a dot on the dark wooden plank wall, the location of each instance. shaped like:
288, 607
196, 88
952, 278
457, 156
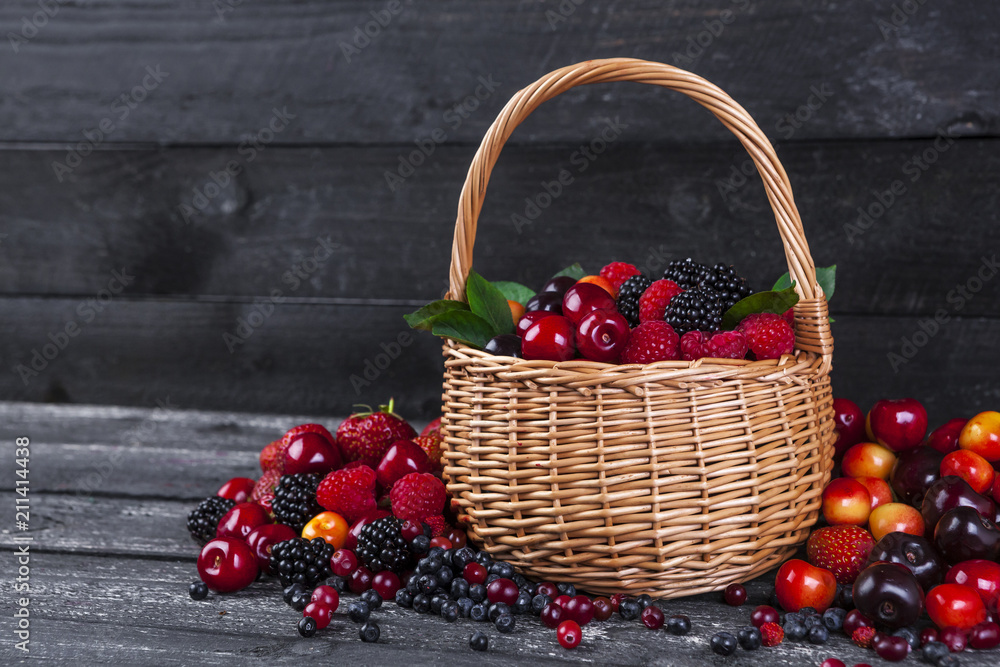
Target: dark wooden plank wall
116, 116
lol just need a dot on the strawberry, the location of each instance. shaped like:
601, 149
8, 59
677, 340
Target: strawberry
771, 634
433, 428
272, 457
265, 485
841, 549
431, 444
366, 436
417, 496
350, 492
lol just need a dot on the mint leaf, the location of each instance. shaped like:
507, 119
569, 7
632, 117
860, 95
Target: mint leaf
514, 291
761, 302
489, 303
575, 271
420, 319
825, 276
464, 327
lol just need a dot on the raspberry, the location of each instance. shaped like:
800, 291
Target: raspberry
652, 341
768, 335
437, 525
417, 496
789, 316
617, 273
350, 492
771, 634
272, 457
720, 345
698, 309
654, 300
863, 637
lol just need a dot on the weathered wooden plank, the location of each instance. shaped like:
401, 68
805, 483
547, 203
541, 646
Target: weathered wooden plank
89, 609
645, 203
313, 358
225, 66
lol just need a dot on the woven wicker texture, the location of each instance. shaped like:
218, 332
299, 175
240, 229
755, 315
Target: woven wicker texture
673, 478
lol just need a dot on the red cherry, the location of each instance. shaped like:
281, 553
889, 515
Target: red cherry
980, 575
262, 538
547, 588
652, 617
601, 336
238, 489
849, 424
241, 520
326, 595
552, 615
457, 537
985, 636
352, 535
897, 424
735, 595
764, 614
945, 437
360, 580
311, 452
319, 613
561, 600
973, 468
569, 633
584, 298
550, 339
579, 608
502, 590
474, 573
954, 605
386, 583
226, 564
402, 458
799, 584
343, 562
530, 318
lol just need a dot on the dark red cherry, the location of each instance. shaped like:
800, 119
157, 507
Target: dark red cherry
241, 520
550, 338
558, 285
962, 534
601, 336
915, 552
889, 594
915, 471
948, 493
945, 437
238, 489
504, 345
311, 452
550, 301
849, 424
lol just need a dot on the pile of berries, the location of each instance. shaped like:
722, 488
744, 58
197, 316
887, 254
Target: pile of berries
623, 316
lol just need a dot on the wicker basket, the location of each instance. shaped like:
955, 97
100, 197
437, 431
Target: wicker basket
673, 478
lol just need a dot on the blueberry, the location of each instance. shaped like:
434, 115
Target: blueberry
629, 609
833, 618
459, 588
421, 603
369, 632
491, 578
519, 580
435, 552
678, 624
522, 605
477, 592
427, 583
484, 559
463, 557
413, 585
505, 570
504, 624
337, 583
198, 590
404, 599
447, 557
808, 611
794, 617
644, 601
479, 641
437, 601
567, 589
948, 661
465, 606
819, 635
538, 603
290, 591
372, 598
449, 611
430, 565
496, 610
794, 630
814, 622
420, 544
934, 651
300, 599
723, 643
359, 611
749, 638
478, 612
909, 635
445, 576
845, 597
307, 626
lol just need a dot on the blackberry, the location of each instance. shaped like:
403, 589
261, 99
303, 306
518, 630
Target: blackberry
729, 285
381, 546
203, 520
295, 500
628, 297
698, 309
687, 273
302, 561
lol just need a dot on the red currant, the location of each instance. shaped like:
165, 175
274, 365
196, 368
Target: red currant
457, 537
326, 595
601, 336
386, 583
616, 600
735, 595
547, 588
474, 573
580, 609
361, 580
953, 638
985, 636
602, 609
319, 612
550, 339
552, 615
764, 614
502, 590
410, 530
652, 617
569, 633
584, 298
343, 562
561, 600
928, 635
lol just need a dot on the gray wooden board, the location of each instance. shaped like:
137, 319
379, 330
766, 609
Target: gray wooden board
644, 203
109, 578
229, 63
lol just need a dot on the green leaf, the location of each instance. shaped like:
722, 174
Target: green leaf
464, 327
575, 271
514, 291
421, 318
761, 302
489, 303
825, 276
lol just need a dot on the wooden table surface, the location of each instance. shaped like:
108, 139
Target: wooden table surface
110, 562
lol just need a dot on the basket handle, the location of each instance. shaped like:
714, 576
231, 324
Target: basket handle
812, 327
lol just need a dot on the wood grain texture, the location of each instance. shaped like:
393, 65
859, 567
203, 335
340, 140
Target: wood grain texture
230, 63
313, 358
639, 202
